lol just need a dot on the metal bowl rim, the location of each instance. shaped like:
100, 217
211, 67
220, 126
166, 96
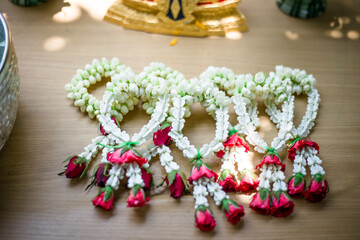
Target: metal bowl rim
6, 47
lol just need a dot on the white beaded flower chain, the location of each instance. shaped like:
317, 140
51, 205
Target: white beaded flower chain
168, 96
202, 177
244, 90
303, 151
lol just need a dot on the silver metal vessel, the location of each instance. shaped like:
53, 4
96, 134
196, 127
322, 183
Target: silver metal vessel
9, 82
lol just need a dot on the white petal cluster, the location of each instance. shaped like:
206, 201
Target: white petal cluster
150, 151
308, 121
133, 172
200, 192
156, 80
310, 154
228, 161
166, 160
265, 177
81, 81
92, 149
242, 158
215, 190
299, 164
272, 174
278, 179
235, 155
116, 174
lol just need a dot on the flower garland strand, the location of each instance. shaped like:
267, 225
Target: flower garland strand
303, 151
202, 177
244, 90
84, 78
236, 149
157, 87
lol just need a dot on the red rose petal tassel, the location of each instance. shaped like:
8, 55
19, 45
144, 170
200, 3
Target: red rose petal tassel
248, 182
233, 211
282, 205
76, 167
177, 183
261, 202
137, 197
105, 198
204, 219
227, 181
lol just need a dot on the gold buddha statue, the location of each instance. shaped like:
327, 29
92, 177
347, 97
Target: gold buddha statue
197, 18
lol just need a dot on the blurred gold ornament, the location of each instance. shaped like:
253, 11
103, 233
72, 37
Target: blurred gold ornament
197, 18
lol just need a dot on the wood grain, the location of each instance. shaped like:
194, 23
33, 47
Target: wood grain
35, 203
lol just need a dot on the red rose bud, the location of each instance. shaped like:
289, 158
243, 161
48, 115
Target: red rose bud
161, 137
199, 171
147, 178
261, 202
227, 181
220, 154
282, 205
271, 159
235, 140
102, 129
102, 174
137, 197
204, 219
177, 183
300, 144
296, 186
128, 156
248, 182
105, 198
76, 167
317, 190
233, 211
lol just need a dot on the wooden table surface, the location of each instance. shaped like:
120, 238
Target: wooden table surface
35, 203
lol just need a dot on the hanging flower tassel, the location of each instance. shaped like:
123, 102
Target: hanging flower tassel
204, 218
249, 181
204, 181
261, 202
236, 151
77, 165
233, 211
282, 204
136, 183
100, 175
273, 201
200, 175
137, 197
124, 158
105, 198
297, 183
228, 180
303, 151
147, 178
175, 179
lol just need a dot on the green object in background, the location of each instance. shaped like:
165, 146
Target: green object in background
28, 2
302, 8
